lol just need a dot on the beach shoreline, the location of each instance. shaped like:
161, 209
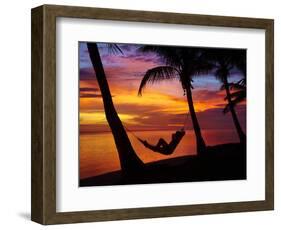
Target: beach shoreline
220, 162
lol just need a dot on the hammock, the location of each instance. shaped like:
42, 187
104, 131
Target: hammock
162, 146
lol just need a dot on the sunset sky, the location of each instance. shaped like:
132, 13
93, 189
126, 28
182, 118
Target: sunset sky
160, 111
161, 107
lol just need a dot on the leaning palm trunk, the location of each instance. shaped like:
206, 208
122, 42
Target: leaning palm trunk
240, 132
200, 143
129, 161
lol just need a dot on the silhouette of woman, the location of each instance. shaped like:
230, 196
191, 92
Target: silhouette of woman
162, 146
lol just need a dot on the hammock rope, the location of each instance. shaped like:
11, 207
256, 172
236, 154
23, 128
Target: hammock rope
133, 133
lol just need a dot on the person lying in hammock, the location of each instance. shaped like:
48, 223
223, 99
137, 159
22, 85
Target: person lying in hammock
162, 146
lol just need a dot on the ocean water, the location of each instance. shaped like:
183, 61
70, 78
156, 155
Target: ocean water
98, 153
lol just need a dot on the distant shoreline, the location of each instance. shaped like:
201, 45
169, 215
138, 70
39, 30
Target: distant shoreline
139, 130
152, 130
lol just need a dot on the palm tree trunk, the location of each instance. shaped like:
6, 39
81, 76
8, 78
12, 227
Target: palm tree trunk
201, 146
240, 132
129, 161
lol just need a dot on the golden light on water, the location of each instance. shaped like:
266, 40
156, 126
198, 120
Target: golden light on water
94, 160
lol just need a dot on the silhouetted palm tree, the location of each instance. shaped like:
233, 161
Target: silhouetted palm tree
128, 159
224, 61
239, 94
183, 64
240, 86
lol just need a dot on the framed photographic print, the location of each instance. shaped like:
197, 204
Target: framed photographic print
147, 114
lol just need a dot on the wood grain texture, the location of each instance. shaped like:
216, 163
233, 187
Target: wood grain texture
269, 116
37, 116
44, 114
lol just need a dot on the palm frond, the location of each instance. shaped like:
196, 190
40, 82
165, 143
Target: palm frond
242, 82
237, 97
239, 93
171, 56
114, 49
238, 58
227, 58
236, 86
221, 73
157, 74
239, 85
201, 67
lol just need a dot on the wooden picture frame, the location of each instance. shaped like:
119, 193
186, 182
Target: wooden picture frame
43, 208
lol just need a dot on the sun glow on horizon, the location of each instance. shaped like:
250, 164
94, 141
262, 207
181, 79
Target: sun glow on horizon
99, 118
